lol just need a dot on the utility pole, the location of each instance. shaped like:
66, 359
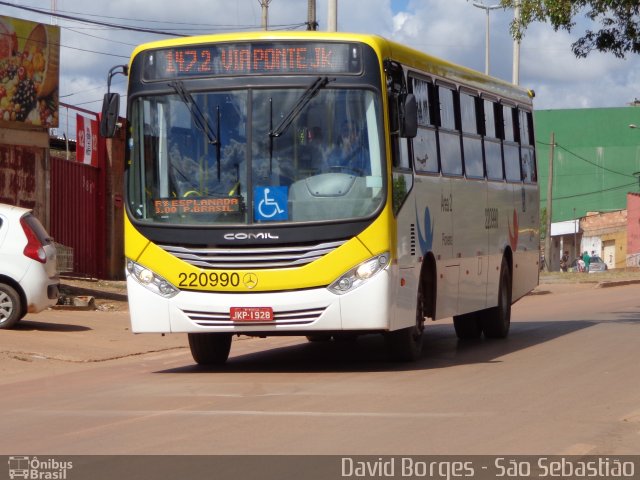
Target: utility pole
312, 23
486, 40
332, 20
547, 238
54, 10
265, 13
516, 47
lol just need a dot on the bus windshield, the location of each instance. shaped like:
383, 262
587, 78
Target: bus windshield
251, 156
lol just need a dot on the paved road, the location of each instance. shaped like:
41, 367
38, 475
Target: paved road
564, 382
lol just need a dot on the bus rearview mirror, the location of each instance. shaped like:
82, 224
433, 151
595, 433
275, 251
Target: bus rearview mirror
110, 112
410, 117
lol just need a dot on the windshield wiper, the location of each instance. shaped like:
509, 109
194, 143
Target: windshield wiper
201, 121
305, 98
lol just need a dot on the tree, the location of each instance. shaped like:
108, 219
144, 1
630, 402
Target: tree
619, 22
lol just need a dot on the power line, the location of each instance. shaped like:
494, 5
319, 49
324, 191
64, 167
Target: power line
168, 32
596, 192
585, 159
94, 22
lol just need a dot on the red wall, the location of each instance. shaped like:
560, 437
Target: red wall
633, 223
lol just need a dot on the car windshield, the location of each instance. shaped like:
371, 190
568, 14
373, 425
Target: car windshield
256, 156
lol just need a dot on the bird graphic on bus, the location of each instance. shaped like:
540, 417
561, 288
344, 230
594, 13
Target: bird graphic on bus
513, 235
426, 241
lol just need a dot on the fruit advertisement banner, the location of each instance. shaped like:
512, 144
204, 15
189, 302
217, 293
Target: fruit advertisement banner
29, 66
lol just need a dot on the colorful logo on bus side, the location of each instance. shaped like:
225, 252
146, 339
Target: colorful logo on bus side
426, 240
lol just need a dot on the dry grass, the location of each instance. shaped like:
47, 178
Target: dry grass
619, 274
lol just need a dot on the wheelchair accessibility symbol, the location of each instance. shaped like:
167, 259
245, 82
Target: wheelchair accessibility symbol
270, 203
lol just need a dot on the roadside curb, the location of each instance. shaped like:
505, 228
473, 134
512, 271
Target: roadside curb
619, 283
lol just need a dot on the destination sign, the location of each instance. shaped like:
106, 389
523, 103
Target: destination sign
283, 58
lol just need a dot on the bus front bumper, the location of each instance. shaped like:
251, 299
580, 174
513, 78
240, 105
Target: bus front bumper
367, 308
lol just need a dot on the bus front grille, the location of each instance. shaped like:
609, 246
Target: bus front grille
281, 318
252, 258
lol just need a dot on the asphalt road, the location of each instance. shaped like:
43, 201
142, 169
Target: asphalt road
566, 381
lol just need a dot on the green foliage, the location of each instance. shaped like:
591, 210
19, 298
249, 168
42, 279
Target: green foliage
618, 20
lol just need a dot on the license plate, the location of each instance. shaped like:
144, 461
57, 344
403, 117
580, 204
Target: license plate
251, 314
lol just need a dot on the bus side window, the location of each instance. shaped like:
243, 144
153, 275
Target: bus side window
425, 146
492, 147
509, 146
471, 140
448, 133
527, 152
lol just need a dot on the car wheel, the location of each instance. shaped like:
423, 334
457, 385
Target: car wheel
10, 306
210, 348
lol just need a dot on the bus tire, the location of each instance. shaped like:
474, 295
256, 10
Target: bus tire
319, 337
210, 348
497, 320
468, 326
405, 345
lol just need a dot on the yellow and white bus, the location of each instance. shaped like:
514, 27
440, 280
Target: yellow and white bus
323, 185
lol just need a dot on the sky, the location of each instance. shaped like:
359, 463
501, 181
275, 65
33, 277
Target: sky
451, 29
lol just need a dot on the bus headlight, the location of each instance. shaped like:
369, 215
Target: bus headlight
150, 280
360, 274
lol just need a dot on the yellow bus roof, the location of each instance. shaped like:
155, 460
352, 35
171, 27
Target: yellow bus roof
386, 49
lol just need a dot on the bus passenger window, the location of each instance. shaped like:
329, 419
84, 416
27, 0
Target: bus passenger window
447, 108
425, 151
448, 136
492, 147
489, 119
471, 141
527, 154
425, 147
512, 162
493, 155
510, 149
507, 119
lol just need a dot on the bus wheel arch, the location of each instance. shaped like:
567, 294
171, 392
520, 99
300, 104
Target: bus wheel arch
429, 285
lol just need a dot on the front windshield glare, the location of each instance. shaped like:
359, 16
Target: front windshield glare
198, 158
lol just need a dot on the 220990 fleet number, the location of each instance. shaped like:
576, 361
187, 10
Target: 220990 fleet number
208, 279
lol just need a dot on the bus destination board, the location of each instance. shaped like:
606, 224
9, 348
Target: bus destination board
282, 58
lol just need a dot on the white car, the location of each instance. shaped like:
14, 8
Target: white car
29, 281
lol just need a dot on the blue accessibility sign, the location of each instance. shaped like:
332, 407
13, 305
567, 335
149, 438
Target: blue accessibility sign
270, 204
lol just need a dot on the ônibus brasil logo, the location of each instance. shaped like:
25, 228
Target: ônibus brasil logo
32, 468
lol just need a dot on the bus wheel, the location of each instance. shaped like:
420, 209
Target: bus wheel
497, 320
210, 348
468, 326
405, 345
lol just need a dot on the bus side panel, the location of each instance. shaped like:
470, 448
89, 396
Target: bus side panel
499, 211
435, 234
471, 242
526, 259
406, 271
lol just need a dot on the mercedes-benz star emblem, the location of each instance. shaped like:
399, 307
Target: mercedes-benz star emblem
250, 280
